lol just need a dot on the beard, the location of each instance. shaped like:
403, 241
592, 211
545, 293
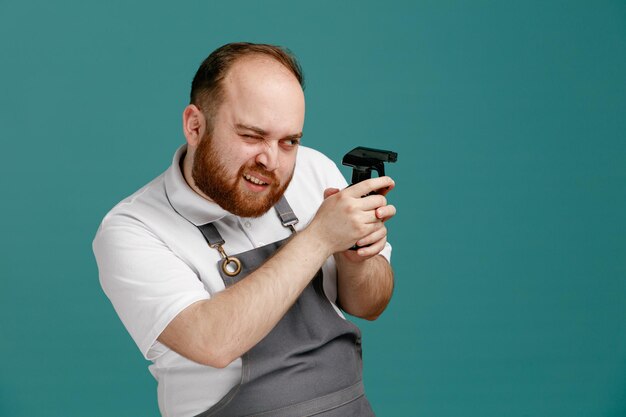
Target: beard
211, 177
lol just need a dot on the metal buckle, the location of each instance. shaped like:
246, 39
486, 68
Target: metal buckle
228, 260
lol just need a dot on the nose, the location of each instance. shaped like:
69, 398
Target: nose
268, 157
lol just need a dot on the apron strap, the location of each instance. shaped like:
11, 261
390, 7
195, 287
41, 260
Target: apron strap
212, 236
287, 217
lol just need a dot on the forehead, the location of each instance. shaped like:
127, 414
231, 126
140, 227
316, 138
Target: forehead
257, 66
260, 90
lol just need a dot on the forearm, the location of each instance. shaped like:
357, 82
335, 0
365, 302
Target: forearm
364, 288
221, 329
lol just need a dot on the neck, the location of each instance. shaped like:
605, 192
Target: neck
186, 166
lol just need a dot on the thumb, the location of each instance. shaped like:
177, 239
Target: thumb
330, 191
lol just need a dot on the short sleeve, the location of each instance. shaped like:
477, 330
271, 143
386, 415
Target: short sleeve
146, 282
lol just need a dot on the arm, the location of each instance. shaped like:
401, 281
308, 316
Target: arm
216, 331
364, 288
365, 279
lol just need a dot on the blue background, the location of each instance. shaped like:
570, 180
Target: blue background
510, 241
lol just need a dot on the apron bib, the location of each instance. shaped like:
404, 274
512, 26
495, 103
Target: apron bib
309, 364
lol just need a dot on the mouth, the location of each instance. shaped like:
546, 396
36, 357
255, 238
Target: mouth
255, 180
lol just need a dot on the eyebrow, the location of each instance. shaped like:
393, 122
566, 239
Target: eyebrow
262, 132
253, 128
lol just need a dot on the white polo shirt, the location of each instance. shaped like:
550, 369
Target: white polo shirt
154, 262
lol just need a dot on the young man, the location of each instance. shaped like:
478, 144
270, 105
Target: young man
230, 269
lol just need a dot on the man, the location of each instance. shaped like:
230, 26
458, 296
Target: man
229, 269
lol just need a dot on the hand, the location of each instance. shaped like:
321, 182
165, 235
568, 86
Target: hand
345, 217
372, 244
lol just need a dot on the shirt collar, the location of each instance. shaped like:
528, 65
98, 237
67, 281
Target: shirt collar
184, 200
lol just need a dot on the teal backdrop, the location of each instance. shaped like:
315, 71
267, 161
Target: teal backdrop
509, 119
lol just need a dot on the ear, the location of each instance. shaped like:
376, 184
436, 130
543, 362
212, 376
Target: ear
194, 125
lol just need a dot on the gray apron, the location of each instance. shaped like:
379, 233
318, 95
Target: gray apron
309, 364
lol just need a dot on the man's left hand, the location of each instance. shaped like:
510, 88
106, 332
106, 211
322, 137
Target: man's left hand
372, 244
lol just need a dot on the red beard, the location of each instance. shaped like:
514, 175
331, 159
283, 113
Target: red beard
211, 177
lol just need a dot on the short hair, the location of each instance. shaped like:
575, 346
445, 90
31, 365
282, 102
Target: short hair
206, 88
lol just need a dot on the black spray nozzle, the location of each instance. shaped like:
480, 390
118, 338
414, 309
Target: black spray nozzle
364, 160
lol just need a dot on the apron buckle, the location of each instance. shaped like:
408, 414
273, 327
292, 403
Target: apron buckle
231, 266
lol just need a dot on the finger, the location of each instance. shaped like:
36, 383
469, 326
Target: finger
370, 217
365, 229
372, 234
372, 250
330, 191
386, 212
373, 237
372, 202
373, 184
384, 191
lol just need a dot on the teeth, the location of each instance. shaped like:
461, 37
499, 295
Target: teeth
254, 180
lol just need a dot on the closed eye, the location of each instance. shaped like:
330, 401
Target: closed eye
251, 137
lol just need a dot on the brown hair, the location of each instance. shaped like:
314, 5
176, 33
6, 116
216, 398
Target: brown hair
206, 87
